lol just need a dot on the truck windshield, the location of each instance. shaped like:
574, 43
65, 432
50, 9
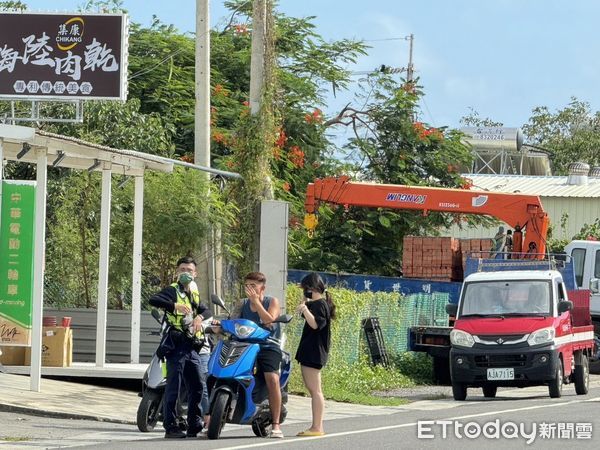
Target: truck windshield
506, 298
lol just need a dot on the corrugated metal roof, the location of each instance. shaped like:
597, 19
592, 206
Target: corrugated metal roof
534, 185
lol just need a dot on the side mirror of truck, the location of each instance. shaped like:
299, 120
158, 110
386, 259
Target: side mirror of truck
595, 285
565, 306
452, 309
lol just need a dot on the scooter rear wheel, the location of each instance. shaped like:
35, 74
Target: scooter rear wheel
259, 429
218, 417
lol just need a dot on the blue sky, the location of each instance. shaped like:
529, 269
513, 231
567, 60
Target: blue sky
500, 57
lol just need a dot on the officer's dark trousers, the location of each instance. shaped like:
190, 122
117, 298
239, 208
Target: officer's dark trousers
183, 365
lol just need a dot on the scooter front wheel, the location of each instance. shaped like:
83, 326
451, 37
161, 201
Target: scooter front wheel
218, 416
149, 411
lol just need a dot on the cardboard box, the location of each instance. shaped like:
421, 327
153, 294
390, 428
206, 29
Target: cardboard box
57, 347
12, 356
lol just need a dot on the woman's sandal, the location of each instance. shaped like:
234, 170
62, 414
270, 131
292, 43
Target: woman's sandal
307, 433
276, 434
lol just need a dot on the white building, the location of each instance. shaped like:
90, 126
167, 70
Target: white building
578, 196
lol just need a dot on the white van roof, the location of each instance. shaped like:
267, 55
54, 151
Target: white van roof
541, 275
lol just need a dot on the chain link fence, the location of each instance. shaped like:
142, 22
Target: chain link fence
396, 314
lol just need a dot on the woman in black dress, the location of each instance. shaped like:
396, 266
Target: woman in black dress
318, 310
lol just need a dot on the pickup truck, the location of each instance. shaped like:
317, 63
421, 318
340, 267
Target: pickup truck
580, 270
519, 328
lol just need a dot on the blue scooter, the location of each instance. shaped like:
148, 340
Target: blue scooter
236, 394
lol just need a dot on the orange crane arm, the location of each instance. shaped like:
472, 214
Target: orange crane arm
520, 211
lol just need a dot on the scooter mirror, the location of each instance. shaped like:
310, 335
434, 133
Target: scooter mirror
156, 314
217, 300
284, 318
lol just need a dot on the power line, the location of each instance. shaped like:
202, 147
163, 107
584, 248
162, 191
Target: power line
381, 69
150, 69
428, 112
405, 38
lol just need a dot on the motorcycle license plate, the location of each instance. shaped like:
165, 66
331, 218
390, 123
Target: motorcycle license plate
501, 374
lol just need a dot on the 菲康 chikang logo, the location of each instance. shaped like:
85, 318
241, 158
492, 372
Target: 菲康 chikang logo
70, 33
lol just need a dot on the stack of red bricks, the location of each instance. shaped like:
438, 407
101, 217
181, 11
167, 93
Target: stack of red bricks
475, 248
432, 258
440, 258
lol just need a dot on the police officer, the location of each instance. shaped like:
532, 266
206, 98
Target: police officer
184, 314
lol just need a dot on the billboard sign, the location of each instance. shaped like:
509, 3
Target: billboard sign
60, 56
17, 227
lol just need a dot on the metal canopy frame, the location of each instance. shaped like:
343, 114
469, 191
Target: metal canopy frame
35, 115
511, 162
28, 145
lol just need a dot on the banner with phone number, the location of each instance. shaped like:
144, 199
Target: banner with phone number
17, 225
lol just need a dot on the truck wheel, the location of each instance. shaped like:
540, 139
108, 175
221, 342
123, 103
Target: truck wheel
218, 417
459, 391
556, 384
489, 390
582, 376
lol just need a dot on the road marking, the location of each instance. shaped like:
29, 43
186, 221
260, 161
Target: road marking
411, 424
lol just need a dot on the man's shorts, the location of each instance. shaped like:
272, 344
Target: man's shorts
268, 359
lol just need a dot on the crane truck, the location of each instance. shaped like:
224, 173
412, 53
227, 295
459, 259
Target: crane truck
526, 215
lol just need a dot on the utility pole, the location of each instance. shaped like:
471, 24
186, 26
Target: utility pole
207, 265
257, 61
410, 68
202, 88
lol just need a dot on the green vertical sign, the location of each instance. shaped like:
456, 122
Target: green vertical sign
17, 225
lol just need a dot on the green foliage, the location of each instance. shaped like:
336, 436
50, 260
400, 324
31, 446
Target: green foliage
73, 234
74, 203
161, 66
119, 125
177, 215
556, 242
588, 231
473, 119
285, 147
253, 150
389, 147
179, 210
348, 376
569, 134
416, 366
13, 5
113, 6
355, 383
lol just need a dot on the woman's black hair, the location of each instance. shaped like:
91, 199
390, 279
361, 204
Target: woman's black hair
314, 282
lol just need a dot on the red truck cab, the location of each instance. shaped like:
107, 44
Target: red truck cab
518, 329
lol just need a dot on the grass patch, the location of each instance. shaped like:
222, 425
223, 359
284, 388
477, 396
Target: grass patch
349, 376
357, 383
13, 438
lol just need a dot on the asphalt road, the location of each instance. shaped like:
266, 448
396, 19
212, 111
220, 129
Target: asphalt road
525, 418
